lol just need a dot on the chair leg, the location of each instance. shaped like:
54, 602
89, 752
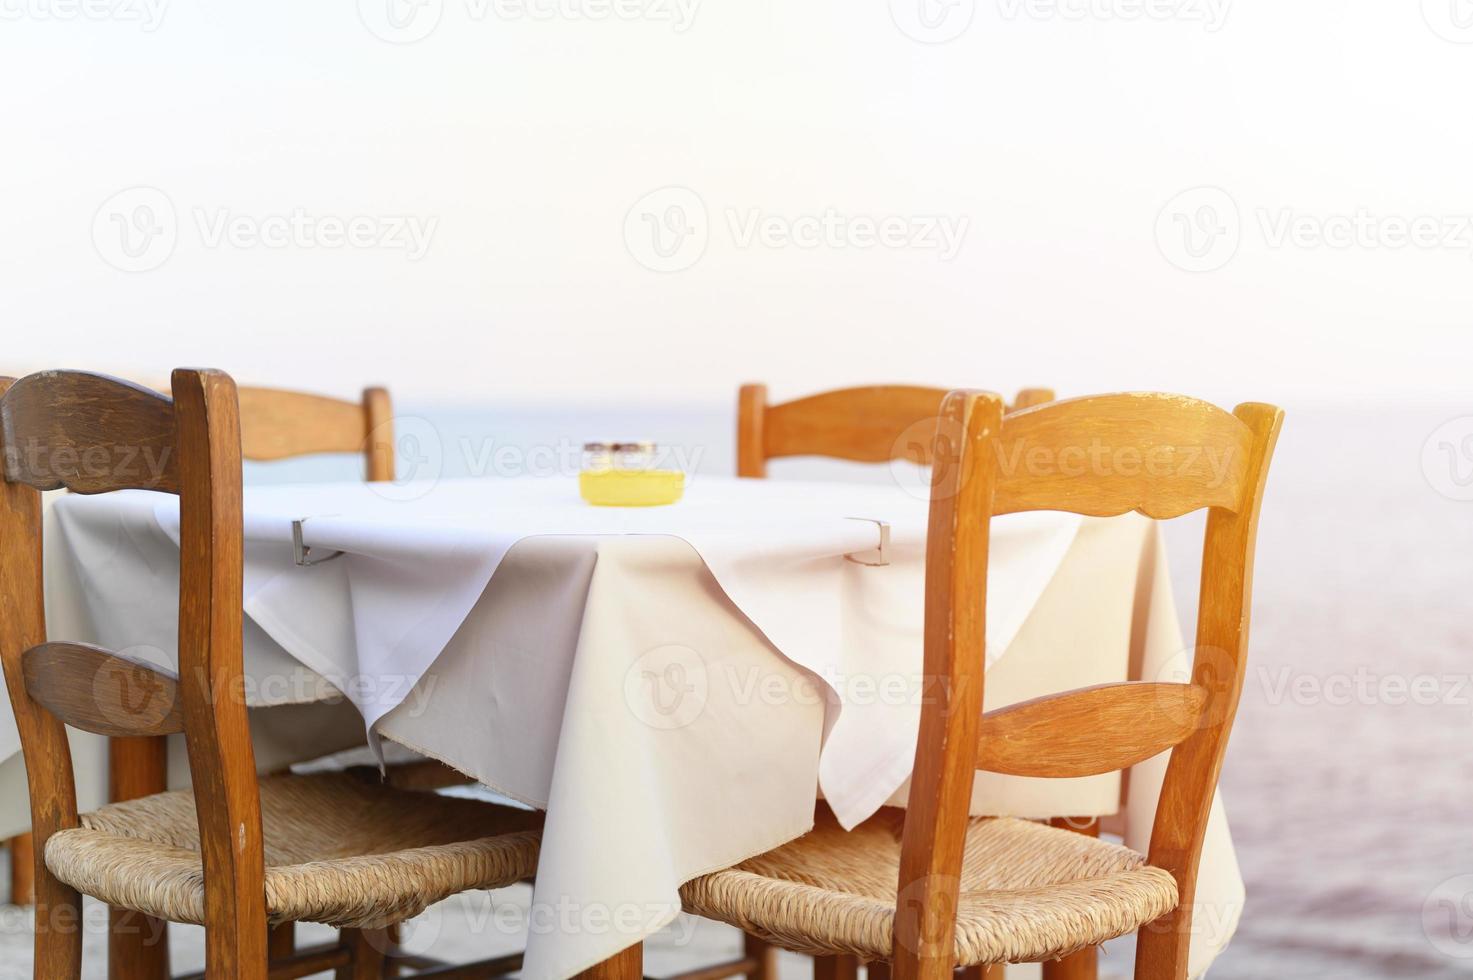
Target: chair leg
627, 964
835, 968
764, 953
281, 941
137, 945
878, 970
58, 948
1083, 965
367, 946
392, 968
22, 870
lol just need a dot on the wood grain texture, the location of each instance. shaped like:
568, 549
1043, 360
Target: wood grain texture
1029, 397
278, 424
22, 869
58, 933
869, 424
835, 968
137, 944
88, 433
1090, 730
862, 424
1219, 666
378, 416
627, 964
941, 781
367, 947
103, 692
751, 425
1161, 455
763, 956
221, 759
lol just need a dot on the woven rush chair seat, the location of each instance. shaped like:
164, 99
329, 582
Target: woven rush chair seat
1029, 892
340, 848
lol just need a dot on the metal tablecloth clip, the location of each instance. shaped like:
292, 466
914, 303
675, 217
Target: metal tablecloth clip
301, 553
884, 549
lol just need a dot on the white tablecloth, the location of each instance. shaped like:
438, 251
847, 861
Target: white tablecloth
670, 684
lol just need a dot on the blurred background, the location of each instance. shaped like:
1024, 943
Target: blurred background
542, 221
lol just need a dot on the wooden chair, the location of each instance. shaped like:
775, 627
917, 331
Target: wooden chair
930, 889
870, 425
237, 851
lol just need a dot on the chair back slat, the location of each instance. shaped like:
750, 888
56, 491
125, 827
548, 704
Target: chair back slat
860, 424
1161, 455
278, 424
101, 692
87, 433
872, 424
1090, 730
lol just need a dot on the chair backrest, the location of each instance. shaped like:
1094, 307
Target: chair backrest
278, 424
1160, 455
869, 425
92, 434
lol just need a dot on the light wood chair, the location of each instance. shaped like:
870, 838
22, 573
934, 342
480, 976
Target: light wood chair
923, 891
238, 851
871, 424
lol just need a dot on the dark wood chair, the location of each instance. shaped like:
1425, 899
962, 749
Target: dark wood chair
237, 851
922, 892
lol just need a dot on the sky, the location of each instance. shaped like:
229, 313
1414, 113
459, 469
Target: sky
656, 200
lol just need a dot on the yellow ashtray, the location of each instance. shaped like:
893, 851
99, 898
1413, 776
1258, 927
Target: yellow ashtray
631, 488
